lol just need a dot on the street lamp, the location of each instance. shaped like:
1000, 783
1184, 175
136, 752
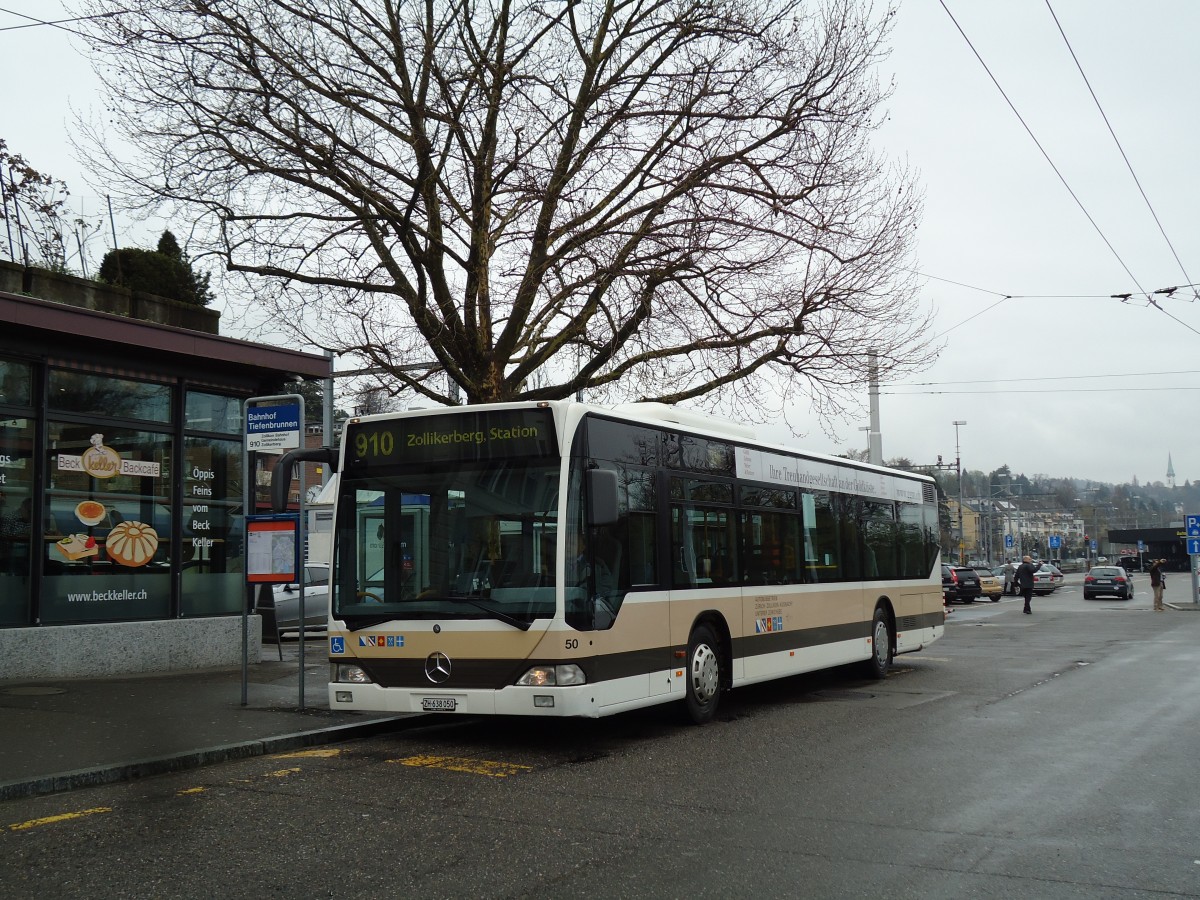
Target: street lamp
1135, 498
1006, 526
958, 468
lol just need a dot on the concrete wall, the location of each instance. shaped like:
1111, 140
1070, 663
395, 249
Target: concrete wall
95, 295
126, 648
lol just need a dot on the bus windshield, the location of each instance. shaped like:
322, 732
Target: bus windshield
471, 541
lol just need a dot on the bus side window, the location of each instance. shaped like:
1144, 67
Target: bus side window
821, 557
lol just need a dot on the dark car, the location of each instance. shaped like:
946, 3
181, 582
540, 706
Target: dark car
960, 583
1112, 581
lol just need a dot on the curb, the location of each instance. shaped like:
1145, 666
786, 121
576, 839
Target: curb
192, 759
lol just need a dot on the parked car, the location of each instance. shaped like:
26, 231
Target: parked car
960, 583
991, 586
1047, 579
1130, 563
1108, 581
286, 598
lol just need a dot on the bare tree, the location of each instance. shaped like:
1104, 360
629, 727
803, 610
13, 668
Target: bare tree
664, 199
34, 204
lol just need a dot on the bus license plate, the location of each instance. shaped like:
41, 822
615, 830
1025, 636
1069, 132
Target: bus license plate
439, 704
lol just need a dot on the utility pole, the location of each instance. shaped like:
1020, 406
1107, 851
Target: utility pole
958, 466
874, 438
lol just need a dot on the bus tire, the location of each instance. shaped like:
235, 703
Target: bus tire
703, 675
881, 646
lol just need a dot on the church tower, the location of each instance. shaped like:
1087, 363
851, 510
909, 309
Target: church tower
1170, 472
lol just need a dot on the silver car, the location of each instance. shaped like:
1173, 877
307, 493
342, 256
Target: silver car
1047, 579
286, 599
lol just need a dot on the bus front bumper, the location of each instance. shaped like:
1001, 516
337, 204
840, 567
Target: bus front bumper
576, 700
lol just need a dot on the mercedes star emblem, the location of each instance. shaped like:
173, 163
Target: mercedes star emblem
437, 668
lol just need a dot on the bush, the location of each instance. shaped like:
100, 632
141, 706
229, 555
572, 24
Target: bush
166, 272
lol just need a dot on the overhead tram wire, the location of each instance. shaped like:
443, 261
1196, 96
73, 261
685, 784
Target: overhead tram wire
1099, 390
1125, 157
56, 23
1042, 378
1046, 155
1150, 301
1005, 297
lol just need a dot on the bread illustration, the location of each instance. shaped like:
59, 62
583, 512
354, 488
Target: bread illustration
132, 544
77, 546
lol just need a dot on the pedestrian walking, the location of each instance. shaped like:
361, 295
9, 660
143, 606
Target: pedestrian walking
1157, 583
1010, 578
1025, 581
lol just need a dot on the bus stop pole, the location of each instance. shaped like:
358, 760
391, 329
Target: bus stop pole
248, 458
303, 562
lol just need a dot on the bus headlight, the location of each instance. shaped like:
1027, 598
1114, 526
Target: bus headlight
345, 673
560, 676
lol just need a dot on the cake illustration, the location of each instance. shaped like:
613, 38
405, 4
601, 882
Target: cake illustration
132, 544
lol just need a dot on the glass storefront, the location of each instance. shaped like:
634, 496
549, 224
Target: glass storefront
16, 492
123, 501
107, 548
213, 554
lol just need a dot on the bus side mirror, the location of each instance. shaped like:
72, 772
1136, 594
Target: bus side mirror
602, 497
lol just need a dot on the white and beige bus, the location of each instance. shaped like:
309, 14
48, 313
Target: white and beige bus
562, 559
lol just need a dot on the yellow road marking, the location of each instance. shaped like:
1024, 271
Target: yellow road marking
322, 753
465, 764
281, 773
195, 790
53, 820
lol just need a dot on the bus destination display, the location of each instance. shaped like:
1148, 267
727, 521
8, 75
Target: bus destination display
455, 437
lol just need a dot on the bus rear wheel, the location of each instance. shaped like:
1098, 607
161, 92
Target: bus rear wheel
881, 646
703, 675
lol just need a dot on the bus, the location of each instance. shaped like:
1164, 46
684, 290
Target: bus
556, 558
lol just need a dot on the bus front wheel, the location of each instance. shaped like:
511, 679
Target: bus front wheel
881, 646
703, 675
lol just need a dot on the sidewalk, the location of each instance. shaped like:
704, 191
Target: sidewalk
60, 735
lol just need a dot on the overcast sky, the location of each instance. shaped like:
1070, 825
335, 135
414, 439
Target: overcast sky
1057, 379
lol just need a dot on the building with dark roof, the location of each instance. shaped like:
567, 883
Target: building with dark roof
121, 478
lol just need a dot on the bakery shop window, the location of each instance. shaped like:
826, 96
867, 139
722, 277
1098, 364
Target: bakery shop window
107, 552
212, 552
108, 395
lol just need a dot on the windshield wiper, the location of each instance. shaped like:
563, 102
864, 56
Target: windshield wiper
354, 623
502, 616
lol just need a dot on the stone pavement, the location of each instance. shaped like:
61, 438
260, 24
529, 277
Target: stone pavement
62, 734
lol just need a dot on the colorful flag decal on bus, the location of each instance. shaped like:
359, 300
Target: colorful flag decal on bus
769, 624
381, 640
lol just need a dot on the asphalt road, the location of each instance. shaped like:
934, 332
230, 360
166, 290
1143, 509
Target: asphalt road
1047, 756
